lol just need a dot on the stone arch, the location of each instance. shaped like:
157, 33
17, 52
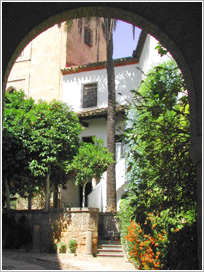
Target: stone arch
177, 25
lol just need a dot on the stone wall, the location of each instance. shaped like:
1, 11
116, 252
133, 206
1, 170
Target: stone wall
48, 228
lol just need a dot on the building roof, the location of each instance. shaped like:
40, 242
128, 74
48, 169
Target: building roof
99, 112
98, 65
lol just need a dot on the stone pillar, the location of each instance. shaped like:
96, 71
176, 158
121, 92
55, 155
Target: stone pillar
36, 238
89, 241
196, 156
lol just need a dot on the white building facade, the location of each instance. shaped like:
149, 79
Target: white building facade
85, 91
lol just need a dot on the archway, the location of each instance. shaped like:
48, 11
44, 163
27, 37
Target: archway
176, 25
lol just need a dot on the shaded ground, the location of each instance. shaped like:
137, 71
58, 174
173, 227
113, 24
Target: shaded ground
19, 260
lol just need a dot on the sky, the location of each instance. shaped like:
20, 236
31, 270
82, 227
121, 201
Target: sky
123, 41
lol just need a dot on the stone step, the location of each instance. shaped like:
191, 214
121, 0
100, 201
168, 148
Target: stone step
108, 242
109, 248
110, 255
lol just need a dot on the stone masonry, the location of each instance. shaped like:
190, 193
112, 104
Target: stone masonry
48, 228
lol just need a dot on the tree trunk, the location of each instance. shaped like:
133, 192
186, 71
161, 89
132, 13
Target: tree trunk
47, 197
83, 195
111, 120
55, 196
30, 201
8, 205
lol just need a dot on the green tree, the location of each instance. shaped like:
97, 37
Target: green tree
48, 134
90, 162
158, 139
16, 175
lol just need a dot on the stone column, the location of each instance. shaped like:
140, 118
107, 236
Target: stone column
89, 241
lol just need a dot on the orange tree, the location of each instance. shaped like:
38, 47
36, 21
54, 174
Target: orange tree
91, 161
39, 139
162, 175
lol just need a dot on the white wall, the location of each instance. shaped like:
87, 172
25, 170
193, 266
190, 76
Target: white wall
97, 127
126, 78
150, 57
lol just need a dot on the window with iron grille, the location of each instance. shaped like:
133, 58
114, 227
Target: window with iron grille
89, 95
88, 36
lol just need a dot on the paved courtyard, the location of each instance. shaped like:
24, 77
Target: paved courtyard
20, 260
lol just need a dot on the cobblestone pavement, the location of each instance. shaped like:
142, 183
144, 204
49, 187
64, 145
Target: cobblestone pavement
19, 260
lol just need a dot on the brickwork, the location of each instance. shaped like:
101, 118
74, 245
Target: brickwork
60, 225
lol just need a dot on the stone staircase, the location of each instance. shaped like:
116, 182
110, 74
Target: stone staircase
109, 248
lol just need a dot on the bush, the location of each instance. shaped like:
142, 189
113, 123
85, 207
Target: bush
146, 251
62, 247
72, 245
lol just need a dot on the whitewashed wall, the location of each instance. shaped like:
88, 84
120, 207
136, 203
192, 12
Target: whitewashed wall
126, 78
150, 57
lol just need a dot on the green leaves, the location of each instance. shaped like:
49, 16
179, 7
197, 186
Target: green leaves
158, 139
37, 139
91, 161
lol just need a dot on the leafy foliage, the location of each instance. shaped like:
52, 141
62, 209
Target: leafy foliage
182, 250
62, 247
72, 245
38, 138
158, 143
163, 178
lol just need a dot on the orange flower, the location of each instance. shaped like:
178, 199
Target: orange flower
176, 230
